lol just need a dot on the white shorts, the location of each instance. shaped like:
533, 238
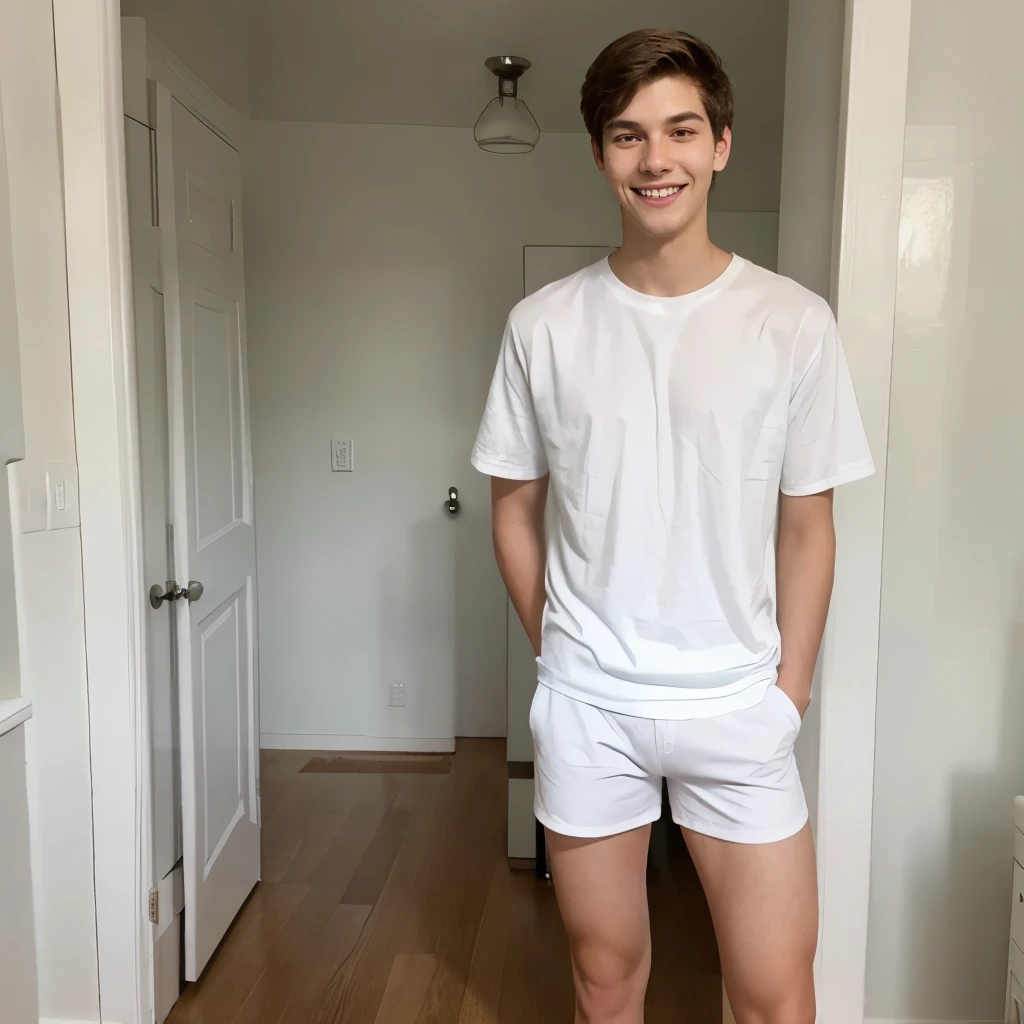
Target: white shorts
598, 773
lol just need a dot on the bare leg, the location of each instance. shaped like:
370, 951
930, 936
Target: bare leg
764, 903
601, 886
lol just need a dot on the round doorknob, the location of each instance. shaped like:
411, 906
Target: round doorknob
170, 591
158, 593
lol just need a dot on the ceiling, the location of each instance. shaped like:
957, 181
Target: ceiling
414, 62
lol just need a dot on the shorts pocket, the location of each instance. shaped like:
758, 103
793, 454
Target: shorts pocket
539, 710
788, 706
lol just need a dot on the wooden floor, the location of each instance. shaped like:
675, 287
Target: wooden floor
387, 899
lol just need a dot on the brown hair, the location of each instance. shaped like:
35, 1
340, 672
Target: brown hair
643, 56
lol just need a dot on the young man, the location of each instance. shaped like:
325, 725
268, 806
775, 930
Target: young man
664, 398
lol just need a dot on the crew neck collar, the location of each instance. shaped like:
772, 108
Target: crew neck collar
670, 303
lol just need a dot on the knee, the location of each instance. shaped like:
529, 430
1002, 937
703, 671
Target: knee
610, 986
792, 1008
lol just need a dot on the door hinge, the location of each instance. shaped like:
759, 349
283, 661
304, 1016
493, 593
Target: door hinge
154, 905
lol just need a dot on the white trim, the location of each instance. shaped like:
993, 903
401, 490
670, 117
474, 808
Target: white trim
14, 712
192, 93
337, 741
64, 1020
88, 51
907, 1020
872, 127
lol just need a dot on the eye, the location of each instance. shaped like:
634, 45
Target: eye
682, 133
627, 138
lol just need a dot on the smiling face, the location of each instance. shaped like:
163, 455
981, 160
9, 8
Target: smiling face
659, 156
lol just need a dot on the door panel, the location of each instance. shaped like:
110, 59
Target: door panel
218, 463
200, 200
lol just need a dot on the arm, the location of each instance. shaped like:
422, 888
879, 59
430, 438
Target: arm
517, 521
805, 565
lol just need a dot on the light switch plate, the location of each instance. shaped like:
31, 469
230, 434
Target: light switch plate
62, 496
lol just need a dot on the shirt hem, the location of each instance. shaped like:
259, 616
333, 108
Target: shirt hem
859, 471
688, 705
505, 470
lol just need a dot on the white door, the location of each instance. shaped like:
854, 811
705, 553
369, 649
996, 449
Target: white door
199, 184
542, 264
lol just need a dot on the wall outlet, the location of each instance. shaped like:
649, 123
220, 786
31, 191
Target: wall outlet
397, 699
341, 456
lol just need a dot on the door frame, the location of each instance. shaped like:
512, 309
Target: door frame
101, 311
88, 45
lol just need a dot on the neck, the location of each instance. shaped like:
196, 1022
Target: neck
668, 266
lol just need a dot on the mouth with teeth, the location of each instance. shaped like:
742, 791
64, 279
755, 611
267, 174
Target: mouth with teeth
658, 197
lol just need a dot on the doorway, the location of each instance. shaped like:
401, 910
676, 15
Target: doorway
382, 622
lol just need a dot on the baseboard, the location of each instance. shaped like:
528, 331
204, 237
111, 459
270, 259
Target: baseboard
65, 1020
907, 1020
336, 741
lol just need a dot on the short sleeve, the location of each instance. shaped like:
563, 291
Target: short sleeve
509, 443
825, 444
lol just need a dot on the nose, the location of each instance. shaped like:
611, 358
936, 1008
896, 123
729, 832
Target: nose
655, 158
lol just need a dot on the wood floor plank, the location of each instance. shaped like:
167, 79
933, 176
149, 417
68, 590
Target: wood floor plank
398, 923
349, 844
318, 927
536, 984
284, 830
461, 875
482, 995
407, 988
318, 835
331, 958
236, 967
373, 870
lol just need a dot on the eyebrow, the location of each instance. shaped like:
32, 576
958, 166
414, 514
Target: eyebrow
621, 125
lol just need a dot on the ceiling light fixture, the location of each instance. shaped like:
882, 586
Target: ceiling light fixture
506, 124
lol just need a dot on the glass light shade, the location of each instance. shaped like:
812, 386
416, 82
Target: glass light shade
506, 126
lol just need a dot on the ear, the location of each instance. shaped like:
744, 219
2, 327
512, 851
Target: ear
598, 156
723, 149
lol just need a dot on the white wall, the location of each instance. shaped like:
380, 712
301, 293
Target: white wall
210, 37
810, 147
48, 565
950, 728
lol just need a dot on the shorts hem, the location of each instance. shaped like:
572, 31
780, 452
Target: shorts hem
593, 831
741, 836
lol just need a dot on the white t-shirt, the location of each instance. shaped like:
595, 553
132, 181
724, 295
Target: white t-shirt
669, 426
